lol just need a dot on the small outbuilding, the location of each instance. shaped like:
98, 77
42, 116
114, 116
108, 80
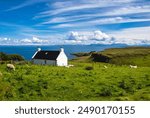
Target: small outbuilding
45, 57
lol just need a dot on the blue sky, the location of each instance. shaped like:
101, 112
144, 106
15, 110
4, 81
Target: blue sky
74, 22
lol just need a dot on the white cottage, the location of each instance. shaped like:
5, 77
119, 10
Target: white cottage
56, 58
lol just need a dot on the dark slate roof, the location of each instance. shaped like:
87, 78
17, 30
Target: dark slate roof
48, 55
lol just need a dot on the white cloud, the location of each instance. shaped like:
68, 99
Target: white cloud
88, 37
130, 36
77, 36
98, 35
68, 6
34, 40
73, 8
64, 20
128, 10
118, 7
37, 40
7, 41
121, 37
61, 20
132, 33
114, 11
102, 21
138, 35
25, 4
26, 41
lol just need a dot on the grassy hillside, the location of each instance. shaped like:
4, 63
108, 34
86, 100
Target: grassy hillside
84, 81
87, 80
124, 56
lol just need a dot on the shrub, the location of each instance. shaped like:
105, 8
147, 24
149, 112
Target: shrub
106, 91
100, 58
82, 54
3, 56
127, 85
89, 68
13, 57
43, 84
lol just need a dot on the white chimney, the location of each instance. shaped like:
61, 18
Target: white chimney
61, 49
39, 49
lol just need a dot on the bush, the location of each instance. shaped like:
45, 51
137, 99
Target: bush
100, 58
13, 57
89, 68
127, 85
3, 56
106, 91
82, 54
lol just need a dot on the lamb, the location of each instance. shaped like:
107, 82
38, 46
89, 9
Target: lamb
1, 74
67, 66
11, 67
71, 65
105, 66
131, 66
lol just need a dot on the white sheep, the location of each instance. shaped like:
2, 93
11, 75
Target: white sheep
71, 65
105, 66
67, 66
11, 67
1, 74
131, 66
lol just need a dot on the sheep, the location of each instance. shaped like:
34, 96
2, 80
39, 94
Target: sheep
131, 66
67, 66
11, 67
105, 66
1, 74
71, 65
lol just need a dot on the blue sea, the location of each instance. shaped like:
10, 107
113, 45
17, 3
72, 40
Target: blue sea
28, 51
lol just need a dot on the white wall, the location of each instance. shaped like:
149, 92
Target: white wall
44, 62
62, 59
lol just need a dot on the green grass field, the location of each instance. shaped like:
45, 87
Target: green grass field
35, 82
87, 80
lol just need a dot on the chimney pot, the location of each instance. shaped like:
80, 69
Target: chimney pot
62, 49
39, 49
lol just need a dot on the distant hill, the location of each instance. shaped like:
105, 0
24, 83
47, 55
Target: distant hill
121, 56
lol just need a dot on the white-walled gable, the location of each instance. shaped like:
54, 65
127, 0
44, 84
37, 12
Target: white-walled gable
62, 59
